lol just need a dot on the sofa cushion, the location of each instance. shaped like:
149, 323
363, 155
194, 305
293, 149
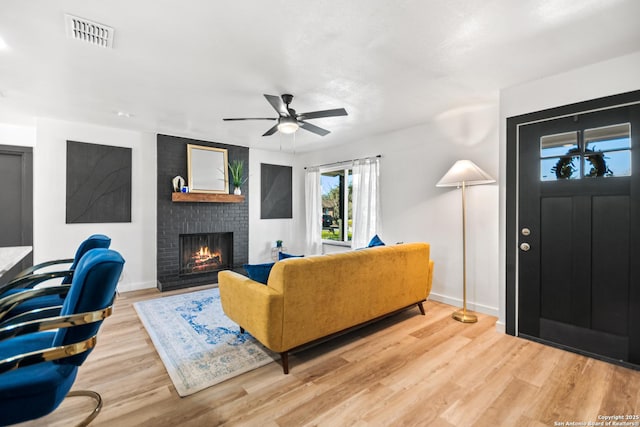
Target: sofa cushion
375, 241
284, 255
259, 272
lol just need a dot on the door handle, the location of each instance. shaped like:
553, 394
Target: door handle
525, 246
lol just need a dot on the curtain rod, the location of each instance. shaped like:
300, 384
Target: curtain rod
344, 161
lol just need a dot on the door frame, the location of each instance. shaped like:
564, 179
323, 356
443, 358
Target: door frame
512, 185
26, 154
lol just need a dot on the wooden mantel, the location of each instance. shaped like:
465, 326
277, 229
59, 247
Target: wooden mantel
206, 198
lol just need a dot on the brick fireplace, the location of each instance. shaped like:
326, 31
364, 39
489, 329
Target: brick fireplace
186, 220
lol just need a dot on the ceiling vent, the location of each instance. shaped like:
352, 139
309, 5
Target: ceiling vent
88, 31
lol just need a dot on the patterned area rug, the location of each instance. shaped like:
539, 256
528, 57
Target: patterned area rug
197, 343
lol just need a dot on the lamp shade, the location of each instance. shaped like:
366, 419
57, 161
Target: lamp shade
464, 171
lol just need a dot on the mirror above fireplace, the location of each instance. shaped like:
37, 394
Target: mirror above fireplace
207, 169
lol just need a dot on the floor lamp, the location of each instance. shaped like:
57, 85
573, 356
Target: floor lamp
464, 173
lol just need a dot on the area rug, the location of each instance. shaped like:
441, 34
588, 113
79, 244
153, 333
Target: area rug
198, 344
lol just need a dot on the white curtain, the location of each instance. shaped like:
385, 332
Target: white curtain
313, 210
365, 201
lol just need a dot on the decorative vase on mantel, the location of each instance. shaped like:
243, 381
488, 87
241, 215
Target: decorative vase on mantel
237, 191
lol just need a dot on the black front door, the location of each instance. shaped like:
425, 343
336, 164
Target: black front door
16, 201
579, 228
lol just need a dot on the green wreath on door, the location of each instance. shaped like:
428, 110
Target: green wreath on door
564, 168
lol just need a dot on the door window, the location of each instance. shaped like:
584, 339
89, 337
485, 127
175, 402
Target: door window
558, 159
592, 153
607, 151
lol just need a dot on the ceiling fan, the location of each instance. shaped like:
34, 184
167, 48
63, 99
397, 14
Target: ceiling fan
289, 121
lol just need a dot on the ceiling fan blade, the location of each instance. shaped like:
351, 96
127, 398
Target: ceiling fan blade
313, 128
251, 118
277, 104
271, 131
325, 113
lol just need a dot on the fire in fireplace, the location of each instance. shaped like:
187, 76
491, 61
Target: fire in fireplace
205, 252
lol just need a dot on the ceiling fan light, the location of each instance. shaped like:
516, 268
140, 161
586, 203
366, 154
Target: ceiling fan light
287, 125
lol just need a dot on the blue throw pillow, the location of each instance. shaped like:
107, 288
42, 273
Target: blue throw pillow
375, 241
258, 272
284, 255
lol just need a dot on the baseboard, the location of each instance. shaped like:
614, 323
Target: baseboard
500, 327
128, 287
456, 302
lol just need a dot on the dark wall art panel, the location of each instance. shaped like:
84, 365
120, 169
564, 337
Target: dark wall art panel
275, 195
98, 183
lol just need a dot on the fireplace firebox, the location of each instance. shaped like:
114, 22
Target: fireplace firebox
205, 252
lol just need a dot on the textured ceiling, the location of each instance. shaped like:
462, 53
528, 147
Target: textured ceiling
179, 67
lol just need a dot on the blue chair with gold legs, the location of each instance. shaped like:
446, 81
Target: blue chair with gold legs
39, 358
29, 278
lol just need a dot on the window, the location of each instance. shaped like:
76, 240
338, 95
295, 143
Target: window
558, 159
337, 185
607, 151
592, 153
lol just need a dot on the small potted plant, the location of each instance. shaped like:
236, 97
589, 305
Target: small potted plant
236, 168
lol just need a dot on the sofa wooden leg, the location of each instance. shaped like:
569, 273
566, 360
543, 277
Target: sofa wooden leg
421, 307
284, 356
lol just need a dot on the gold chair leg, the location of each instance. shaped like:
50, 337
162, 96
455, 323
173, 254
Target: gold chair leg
96, 410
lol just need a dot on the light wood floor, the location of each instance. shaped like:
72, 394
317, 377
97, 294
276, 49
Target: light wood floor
405, 370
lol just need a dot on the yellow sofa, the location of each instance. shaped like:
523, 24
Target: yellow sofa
309, 298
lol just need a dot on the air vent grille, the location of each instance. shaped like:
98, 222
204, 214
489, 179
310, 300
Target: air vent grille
88, 31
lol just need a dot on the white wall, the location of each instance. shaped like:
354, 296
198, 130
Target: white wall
17, 135
263, 233
413, 209
54, 239
606, 78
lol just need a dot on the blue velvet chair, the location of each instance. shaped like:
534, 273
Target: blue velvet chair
29, 278
39, 359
